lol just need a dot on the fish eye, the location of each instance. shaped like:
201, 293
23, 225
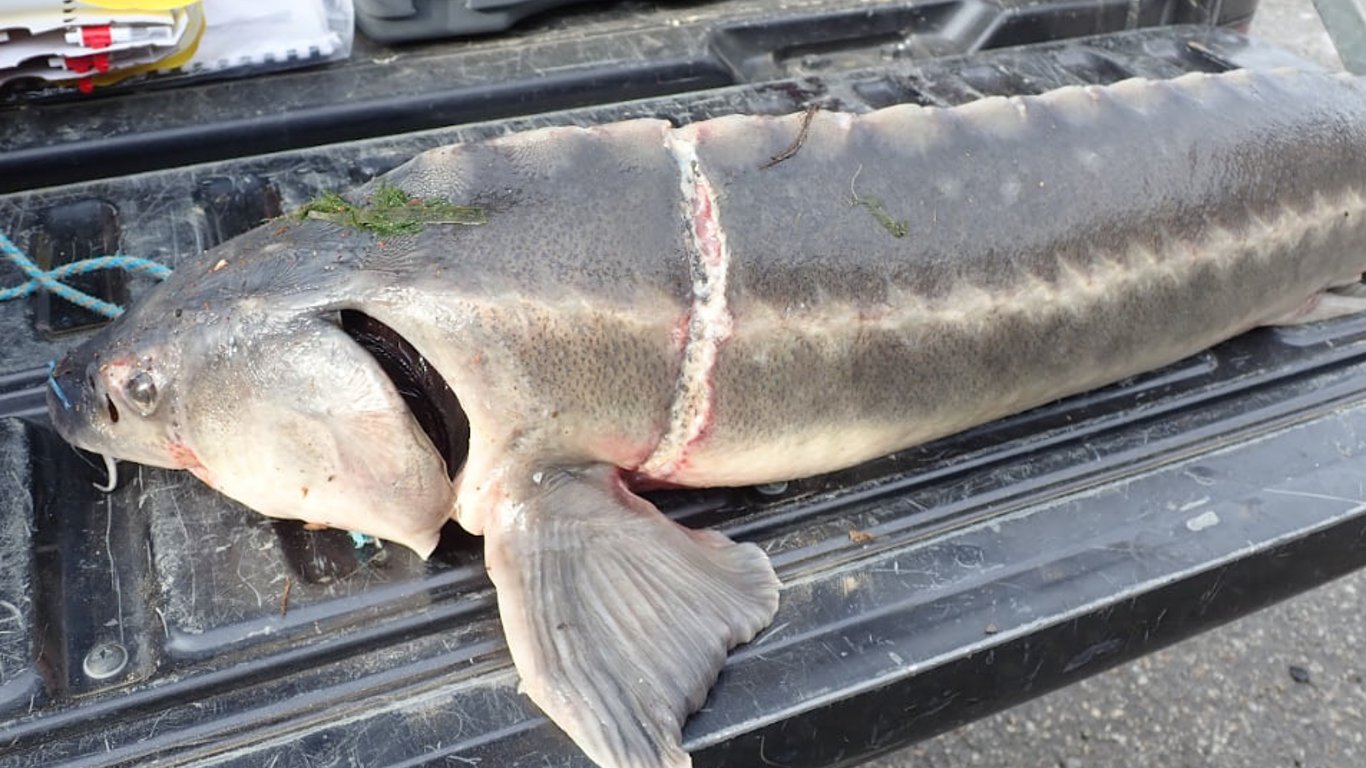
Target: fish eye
141, 391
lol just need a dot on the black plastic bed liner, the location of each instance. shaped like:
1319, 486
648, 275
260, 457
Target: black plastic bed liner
920, 591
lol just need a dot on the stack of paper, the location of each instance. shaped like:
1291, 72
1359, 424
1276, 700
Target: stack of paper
94, 42
86, 44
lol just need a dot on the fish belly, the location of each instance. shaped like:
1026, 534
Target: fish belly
913, 272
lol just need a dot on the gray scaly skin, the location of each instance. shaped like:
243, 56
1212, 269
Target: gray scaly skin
647, 305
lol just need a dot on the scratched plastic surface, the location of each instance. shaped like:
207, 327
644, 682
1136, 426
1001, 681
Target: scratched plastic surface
921, 590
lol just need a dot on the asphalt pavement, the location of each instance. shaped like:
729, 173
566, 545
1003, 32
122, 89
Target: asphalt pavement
1282, 688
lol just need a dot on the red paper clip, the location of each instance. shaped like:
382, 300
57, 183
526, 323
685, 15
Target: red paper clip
99, 62
96, 36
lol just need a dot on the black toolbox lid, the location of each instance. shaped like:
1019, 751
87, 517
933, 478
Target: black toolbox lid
921, 590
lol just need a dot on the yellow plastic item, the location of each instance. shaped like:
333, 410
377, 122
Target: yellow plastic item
139, 5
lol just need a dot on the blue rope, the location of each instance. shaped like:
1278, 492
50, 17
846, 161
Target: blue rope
360, 540
47, 280
56, 387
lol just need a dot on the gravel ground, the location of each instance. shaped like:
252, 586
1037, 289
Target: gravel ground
1294, 25
1226, 699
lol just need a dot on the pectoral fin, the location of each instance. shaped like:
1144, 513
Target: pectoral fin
619, 619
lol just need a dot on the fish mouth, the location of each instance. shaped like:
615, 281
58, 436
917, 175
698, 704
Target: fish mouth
425, 392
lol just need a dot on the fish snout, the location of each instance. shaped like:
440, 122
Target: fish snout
74, 395
88, 416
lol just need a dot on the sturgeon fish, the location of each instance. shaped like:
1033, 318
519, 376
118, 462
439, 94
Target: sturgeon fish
716, 305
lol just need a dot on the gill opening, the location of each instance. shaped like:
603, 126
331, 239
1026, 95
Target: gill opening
425, 392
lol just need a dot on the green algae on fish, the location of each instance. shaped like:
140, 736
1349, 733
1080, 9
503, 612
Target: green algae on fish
895, 227
390, 211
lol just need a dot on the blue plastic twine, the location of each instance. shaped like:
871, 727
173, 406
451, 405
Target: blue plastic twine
49, 280
56, 388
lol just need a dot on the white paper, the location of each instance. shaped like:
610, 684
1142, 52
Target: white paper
248, 32
22, 47
38, 16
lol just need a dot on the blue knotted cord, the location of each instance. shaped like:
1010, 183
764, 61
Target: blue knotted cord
49, 280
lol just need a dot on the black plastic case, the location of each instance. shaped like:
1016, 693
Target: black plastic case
399, 21
162, 622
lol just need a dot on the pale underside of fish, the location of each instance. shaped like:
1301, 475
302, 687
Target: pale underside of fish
653, 306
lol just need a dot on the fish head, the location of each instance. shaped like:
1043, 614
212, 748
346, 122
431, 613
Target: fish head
267, 395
